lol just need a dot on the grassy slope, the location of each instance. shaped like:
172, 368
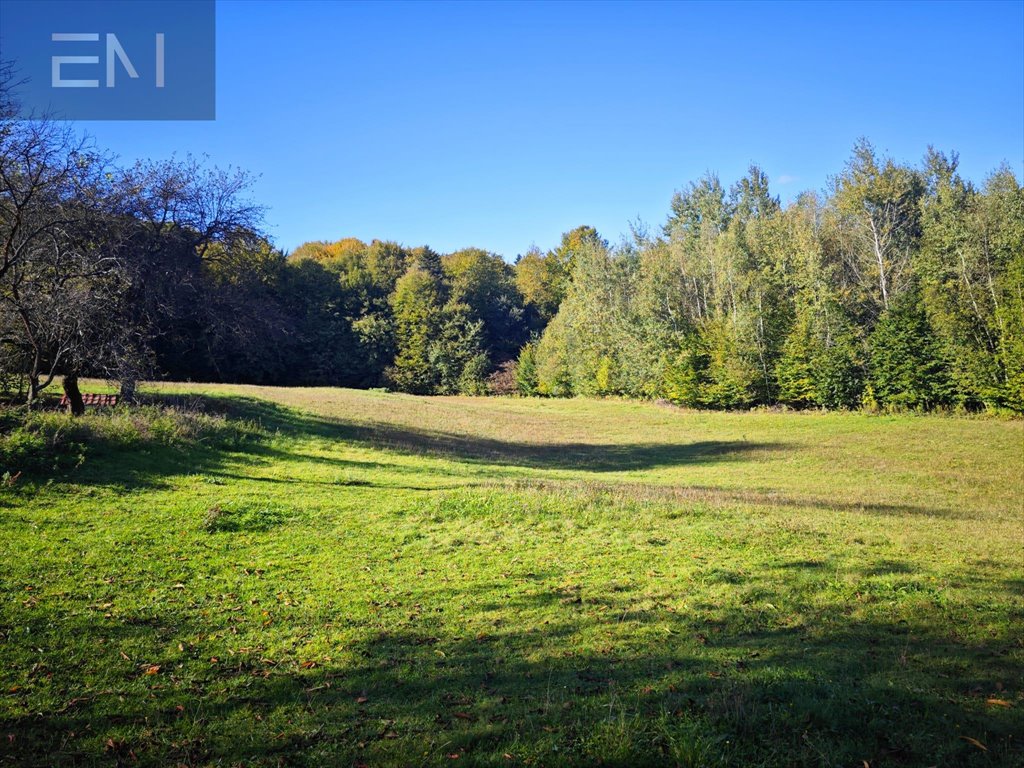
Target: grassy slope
402, 580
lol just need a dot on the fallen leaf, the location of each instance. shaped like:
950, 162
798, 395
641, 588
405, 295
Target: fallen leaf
975, 742
152, 669
362, 699
998, 703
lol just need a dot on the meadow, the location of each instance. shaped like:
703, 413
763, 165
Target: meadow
305, 577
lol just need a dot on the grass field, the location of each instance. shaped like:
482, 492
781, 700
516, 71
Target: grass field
380, 579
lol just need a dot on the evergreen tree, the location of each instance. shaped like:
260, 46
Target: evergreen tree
526, 370
907, 369
484, 283
685, 375
795, 370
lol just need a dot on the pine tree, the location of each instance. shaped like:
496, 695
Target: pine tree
526, 370
795, 370
907, 369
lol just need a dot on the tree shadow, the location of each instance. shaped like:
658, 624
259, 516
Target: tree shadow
690, 494
152, 466
148, 463
885, 692
589, 457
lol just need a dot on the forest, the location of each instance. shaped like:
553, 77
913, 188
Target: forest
902, 288
899, 287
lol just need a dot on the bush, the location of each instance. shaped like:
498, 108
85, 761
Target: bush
472, 381
526, 370
25, 450
504, 381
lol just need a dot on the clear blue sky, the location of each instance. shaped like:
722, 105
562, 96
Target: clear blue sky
503, 125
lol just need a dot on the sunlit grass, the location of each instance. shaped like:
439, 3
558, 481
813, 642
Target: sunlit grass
382, 579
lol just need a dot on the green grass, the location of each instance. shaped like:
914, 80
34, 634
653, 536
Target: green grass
360, 578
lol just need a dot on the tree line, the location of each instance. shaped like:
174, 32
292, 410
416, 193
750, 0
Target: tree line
900, 287
161, 269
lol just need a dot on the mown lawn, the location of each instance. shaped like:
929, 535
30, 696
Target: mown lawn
380, 579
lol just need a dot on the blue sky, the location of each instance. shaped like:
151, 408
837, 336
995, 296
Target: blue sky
503, 125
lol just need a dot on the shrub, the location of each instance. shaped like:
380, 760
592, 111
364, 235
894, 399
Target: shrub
25, 450
526, 370
504, 381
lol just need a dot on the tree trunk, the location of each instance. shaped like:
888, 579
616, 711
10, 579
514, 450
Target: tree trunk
33, 392
74, 395
128, 389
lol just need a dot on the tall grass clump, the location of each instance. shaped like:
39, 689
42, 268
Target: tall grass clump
51, 440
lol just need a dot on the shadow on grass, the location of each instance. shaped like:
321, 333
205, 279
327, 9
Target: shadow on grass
728, 691
690, 494
145, 465
148, 465
583, 456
